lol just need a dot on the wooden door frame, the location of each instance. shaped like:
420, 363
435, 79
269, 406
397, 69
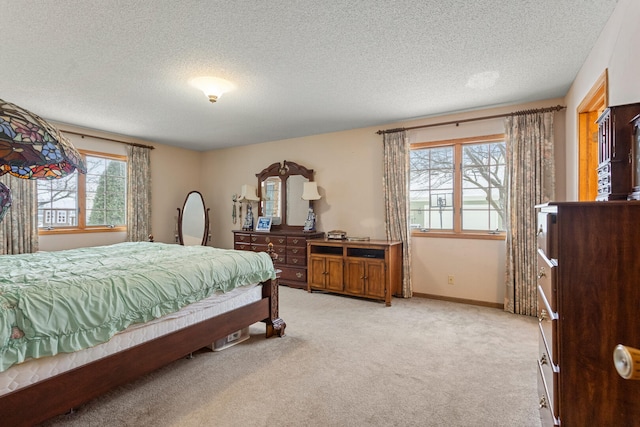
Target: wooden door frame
593, 104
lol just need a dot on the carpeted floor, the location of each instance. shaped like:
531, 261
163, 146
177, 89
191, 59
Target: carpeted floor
345, 362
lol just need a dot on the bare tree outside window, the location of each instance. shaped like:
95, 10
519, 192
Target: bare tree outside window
458, 187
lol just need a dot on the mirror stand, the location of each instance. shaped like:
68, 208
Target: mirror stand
193, 221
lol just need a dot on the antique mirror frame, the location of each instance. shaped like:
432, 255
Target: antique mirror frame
289, 173
193, 221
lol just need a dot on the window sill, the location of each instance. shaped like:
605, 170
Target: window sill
43, 232
452, 235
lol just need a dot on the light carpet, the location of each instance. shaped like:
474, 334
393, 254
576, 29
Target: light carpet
345, 362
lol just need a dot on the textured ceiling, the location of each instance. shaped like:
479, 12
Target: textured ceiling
301, 67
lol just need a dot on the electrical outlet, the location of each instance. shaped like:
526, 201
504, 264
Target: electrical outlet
450, 279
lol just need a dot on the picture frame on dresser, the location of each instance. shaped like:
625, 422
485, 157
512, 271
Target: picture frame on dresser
264, 223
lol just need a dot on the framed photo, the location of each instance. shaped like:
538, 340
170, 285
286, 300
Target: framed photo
263, 224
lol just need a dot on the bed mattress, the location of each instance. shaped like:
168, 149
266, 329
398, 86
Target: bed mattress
34, 370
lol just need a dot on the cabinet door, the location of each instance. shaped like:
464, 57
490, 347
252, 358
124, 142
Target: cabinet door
335, 273
354, 276
316, 274
375, 279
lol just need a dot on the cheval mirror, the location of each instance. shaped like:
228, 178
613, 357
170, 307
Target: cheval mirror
280, 188
193, 221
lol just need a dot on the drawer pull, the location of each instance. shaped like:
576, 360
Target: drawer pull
295, 241
543, 359
294, 250
543, 315
299, 275
542, 273
267, 239
543, 402
280, 240
627, 362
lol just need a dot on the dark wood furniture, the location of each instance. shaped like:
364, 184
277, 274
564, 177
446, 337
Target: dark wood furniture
588, 301
369, 269
635, 163
59, 394
614, 152
289, 245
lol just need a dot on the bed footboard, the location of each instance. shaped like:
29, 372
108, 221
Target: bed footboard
275, 325
57, 395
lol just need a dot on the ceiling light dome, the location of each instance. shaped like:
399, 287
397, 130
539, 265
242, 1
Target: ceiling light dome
212, 87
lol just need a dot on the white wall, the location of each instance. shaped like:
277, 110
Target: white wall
617, 51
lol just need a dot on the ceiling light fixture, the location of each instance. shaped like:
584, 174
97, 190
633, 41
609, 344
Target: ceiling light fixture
213, 87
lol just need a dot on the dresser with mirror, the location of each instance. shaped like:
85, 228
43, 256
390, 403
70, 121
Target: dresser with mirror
280, 187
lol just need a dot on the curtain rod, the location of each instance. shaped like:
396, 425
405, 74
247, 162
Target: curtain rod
108, 139
457, 122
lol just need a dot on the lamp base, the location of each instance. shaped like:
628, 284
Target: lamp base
310, 223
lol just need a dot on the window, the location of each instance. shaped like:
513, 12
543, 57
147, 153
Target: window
95, 201
458, 186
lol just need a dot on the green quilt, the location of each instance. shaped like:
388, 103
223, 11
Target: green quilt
64, 301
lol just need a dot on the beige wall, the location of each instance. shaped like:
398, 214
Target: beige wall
348, 169
617, 51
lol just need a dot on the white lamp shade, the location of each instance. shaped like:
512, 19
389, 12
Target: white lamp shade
212, 87
310, 191
248, 193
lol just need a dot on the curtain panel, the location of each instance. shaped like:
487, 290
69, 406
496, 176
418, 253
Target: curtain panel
138, 193
531, 181
396, 199
19, 228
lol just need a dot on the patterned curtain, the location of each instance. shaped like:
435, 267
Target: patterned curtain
396, 199
138, 193
531, 181
19, 228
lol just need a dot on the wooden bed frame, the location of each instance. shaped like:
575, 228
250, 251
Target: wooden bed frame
61, 393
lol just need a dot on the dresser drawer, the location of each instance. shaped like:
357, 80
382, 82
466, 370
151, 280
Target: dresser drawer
550, 370
547, 278
296, 260
547, 322
296, 250
240, 246
297, 241
546, 235
292, 273
242, 238
544, 403
265, 239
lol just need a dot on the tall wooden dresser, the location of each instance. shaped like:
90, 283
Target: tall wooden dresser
588, 302
615, 151
291, 247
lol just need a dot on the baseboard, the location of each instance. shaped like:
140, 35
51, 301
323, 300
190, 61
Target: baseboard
460, 300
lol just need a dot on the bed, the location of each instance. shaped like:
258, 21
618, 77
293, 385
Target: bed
87, 320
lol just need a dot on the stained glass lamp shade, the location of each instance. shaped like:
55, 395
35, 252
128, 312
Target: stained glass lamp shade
31, 148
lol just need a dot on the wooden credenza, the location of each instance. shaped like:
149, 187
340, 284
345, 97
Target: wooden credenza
588, 302
371, 269
291, 247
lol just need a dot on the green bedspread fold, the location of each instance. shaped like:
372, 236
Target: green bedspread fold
64, 301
